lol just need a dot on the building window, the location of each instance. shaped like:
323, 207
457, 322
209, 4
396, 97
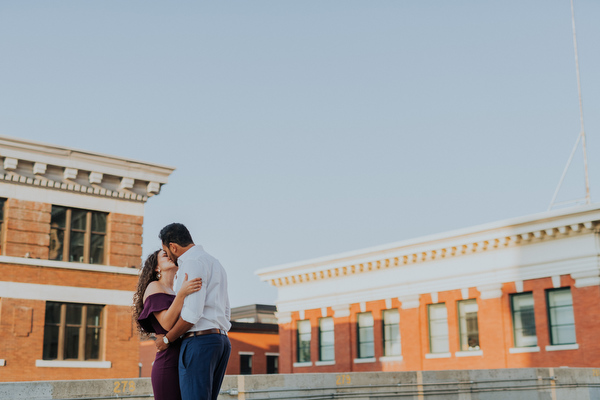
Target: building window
391, 332
72, 331
245, 364
467, 325
562, 321
326, 340
272, 364
523, 320
438, 328
303, 328
77, 235
366, 348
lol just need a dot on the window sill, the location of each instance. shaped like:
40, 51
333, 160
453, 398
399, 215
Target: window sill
469, 353
391, 358
320, 363
438, 355
364, 360
302, 364
518, 350
72, 364
559, 347
2, 363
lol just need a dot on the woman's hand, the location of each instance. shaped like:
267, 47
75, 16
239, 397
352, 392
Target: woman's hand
190, 287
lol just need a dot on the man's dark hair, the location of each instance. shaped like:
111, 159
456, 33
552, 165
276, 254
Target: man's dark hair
175, 233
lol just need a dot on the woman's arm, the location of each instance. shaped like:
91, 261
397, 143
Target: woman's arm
168, 317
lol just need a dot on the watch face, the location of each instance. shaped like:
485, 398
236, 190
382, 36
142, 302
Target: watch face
165, 340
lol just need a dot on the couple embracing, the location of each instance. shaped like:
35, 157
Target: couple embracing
182, 298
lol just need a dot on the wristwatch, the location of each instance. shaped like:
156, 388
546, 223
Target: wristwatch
166, 340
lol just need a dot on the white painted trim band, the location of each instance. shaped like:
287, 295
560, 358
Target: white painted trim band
302, 364
72, 364
391, 358
2, 362
246, 353
68, 265
272, 354
69, 294
469, 353
321, 363
438, 355
364, 360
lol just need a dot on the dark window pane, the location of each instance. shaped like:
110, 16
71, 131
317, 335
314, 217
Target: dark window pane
78, 219
59, 217
74, 314
52, 313
50, 342
93, 315
92, 343
98, 222
272, 364
72, 342
76, 247
245, 364
97, 249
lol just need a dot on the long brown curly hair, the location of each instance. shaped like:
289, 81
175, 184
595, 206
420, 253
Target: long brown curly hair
147, 274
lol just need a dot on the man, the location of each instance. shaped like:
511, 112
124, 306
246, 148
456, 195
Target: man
204, 320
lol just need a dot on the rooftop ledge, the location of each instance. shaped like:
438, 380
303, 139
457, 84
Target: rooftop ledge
35, 262
509, 232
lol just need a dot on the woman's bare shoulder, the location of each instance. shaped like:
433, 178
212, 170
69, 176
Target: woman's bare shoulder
153, 288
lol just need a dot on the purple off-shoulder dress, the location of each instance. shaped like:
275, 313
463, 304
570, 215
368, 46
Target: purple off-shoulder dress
165, 374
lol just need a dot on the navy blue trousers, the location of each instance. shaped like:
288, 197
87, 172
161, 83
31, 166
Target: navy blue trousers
202, 363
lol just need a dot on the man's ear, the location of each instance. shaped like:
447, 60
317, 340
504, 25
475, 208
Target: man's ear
173, 247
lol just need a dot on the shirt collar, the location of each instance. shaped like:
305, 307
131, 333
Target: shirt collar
194, 249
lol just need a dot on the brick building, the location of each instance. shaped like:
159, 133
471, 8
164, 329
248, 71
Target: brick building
70, 245
254, 337
517, 293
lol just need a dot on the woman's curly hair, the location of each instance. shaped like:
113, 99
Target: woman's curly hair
147, 274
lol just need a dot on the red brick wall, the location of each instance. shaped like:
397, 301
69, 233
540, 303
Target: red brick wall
495, 333
258, 343
124, 247
27, 229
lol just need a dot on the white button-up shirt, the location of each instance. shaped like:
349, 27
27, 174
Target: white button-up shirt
209, 307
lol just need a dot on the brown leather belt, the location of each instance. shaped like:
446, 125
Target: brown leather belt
205, 332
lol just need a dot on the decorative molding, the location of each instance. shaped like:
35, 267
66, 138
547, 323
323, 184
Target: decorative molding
69, 265
153, 187
341, 310
126, 183
70, 173
464, 292
39, 168
301, 315
246, 353
283, 317
363, 306
491, 291
519, 286
322, 363
72, 364
302, 364
323, 312
469, 353
556, 281
408, 302
434, 297
388, 304
586, 278
10, 163
95, 178
364, 360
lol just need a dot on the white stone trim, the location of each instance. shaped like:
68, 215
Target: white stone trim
490, 291
464, 293
246, 353
39, 168
72, 199
518, 350
438, 355
364, 360
283, 317
469, 353
434, 297
301, 315
69, 294
322, 363
341, 310
72, 364
272, 354
408, 302
363, 306
323, 312
388, 304
560, 347
556, 281
302, 364
10, 163
391, 358
2, 362
519, 286
68, 265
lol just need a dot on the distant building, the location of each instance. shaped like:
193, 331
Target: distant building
517, 293
70, 244
254, 337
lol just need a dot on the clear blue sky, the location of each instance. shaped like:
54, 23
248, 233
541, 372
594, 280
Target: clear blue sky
306, 128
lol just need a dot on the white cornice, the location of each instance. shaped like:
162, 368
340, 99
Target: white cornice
34, 262
522, 231
30, 163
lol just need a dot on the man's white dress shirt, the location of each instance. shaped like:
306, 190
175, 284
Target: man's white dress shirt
209, 307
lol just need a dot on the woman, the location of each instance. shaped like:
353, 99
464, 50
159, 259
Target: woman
157, 308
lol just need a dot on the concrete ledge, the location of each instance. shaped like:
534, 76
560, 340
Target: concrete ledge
72, 364
517, 350
2, 362
559, 347
364, 360
438, 355
302, 364
321, 363
469, 353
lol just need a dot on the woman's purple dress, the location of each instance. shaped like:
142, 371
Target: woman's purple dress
165, 374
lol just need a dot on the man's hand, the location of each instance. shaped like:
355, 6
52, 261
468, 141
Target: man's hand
160, 344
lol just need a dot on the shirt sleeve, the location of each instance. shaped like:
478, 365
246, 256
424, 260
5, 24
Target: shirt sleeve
193, 304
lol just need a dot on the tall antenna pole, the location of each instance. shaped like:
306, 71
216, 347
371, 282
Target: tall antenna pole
581, 135
585, 163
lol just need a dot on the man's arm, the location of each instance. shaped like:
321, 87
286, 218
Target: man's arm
181, 327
